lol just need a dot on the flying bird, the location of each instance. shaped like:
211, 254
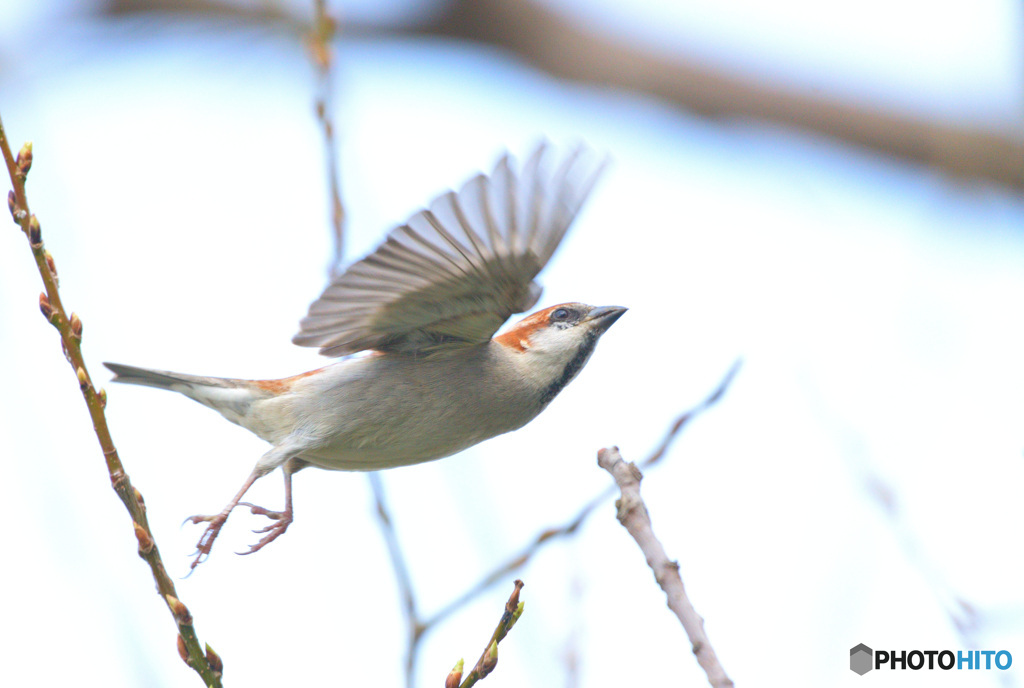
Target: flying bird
430, 376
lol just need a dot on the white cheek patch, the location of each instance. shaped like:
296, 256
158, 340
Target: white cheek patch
551, 349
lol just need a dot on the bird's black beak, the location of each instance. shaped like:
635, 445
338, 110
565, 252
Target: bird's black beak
602, 317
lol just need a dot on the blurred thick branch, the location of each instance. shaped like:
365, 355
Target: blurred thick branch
564, 47
207, 665
632, 513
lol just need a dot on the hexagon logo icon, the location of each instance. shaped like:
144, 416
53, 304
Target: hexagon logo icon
861, 659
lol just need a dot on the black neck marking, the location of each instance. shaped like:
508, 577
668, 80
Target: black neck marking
572, 368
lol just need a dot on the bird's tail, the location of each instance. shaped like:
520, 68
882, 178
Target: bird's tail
163, 379
230, 397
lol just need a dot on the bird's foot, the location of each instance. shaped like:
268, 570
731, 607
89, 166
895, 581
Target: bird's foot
281, 521
205, 544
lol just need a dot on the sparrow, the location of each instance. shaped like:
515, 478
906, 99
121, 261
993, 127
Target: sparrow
423, 375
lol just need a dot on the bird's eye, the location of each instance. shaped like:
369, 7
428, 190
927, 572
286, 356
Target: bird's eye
560, 314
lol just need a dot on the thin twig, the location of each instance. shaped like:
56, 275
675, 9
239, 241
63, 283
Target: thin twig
684, 418
517, 561
208, 664
402, 577
549, 535
419, 627
632, 513
324, 29
573, 650
964, 616
489, 659
319, 42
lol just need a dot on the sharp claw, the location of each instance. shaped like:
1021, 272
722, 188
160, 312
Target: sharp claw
206, 540
214, 524
254, 548
272, 532
200, 558
280, 520
260, 511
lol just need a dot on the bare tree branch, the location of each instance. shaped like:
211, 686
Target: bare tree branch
567, 49
685, 417
419, 627
632, 513
412, 618
489, 659
561, 46
969, 621
320, 49
208, 665
319, 41
570, 527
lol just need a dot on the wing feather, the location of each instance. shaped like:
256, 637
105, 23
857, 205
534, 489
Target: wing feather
454, 272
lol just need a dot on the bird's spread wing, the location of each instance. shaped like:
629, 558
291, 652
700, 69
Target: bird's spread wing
453, 274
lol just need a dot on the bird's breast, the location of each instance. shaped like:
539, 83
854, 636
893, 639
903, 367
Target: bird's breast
384, 411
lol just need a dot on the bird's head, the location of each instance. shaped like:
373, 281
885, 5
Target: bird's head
557, 342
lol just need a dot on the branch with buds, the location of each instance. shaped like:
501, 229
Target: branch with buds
207, 664
632, 513
419, 626
489, 659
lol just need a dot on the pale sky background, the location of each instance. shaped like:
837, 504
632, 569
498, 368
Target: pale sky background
179, 181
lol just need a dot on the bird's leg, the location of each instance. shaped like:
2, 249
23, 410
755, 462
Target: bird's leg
216, 522
281, 519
